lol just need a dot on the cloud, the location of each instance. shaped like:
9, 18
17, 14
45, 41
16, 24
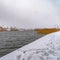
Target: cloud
56, 3
28, 13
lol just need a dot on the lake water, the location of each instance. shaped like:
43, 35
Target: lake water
10, 41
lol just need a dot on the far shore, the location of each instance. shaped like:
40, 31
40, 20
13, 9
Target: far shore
39, 30
47, 30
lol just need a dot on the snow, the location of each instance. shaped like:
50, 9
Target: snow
45, 48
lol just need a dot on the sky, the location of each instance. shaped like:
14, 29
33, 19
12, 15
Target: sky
30, 13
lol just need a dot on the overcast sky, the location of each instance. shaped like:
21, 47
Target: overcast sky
30, 13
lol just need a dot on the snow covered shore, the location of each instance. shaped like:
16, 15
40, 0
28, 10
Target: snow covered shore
45, 48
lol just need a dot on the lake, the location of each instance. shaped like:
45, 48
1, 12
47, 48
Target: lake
12, 40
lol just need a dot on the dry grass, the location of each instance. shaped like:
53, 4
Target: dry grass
46, 30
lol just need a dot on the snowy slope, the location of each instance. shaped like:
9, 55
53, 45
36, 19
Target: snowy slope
45, 48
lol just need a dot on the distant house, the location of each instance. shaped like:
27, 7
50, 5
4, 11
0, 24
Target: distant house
3, 29
14, 29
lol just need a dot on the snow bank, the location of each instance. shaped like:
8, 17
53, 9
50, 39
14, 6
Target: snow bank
45, 48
